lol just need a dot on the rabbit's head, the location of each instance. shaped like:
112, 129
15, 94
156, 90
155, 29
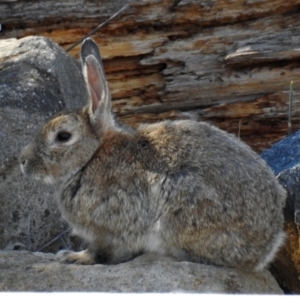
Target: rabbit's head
68, 141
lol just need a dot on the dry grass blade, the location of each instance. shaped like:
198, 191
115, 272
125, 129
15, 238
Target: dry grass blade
56, 238
240, 126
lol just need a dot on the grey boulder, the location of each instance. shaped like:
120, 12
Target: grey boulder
37, 80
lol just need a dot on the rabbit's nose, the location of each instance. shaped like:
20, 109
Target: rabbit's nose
22, 165
23, 158
22, 162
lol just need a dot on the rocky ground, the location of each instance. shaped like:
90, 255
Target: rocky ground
26, 271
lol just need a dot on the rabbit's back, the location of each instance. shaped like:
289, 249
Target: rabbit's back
220, 202
182, 188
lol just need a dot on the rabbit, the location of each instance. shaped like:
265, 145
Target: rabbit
182, 189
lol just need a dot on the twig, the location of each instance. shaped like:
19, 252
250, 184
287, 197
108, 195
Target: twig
56, 238
174, 5
290, 109
98, 27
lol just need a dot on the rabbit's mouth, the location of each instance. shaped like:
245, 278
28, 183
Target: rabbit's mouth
48, 179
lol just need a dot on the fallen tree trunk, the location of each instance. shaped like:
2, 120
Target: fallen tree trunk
226, 62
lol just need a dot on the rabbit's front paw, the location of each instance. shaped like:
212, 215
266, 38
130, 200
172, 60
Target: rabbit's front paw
70, 257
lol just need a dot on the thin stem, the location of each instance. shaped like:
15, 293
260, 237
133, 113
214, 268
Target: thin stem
239, 132
56, 238
98, 27
290, 108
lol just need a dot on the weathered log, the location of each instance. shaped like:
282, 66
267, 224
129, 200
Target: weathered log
230, 62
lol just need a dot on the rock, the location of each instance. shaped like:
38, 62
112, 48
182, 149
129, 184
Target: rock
25, 271
37, 79
284, 159
284, 155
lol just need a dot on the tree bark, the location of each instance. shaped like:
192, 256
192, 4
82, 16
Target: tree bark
226, 62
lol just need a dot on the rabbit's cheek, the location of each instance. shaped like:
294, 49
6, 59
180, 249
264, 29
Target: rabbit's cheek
52, 171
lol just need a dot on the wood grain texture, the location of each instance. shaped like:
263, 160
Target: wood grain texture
226, 62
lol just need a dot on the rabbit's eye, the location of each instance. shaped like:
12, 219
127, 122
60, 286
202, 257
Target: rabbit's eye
63, 136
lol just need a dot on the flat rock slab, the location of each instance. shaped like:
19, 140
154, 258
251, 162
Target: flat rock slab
26, 271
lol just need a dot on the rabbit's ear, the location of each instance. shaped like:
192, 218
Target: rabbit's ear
99, 94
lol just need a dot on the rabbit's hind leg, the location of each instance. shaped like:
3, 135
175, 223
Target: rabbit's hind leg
278, 241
